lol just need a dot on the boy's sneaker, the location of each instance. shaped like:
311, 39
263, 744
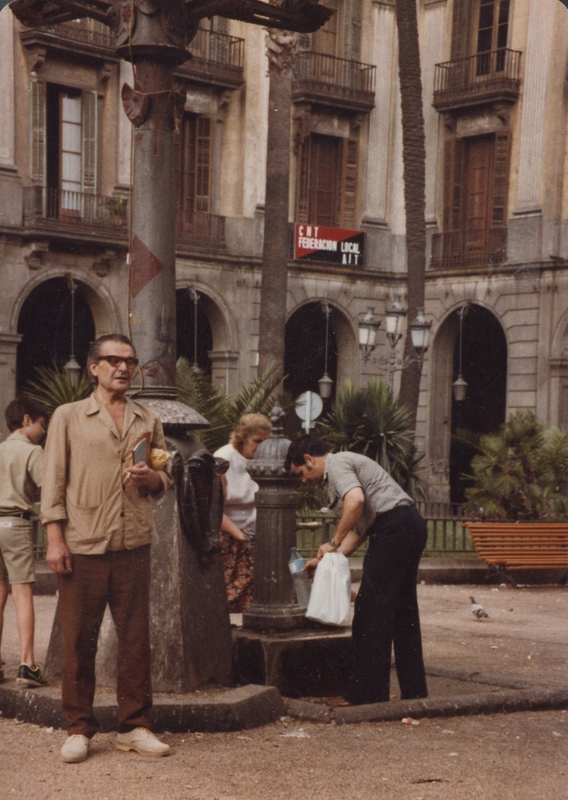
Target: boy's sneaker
30, 677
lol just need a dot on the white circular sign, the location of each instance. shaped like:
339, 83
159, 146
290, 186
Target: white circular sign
309, 405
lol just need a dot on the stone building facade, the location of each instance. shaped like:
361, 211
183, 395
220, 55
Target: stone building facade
495, 104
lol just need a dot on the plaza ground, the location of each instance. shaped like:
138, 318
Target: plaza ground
517, 756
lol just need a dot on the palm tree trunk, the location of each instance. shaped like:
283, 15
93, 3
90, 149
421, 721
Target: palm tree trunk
272, 321
414, 162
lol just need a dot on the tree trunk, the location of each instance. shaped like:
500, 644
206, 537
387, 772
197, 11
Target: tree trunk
272, 322
414, 162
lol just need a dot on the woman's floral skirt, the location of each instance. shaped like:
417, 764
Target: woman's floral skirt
238, 565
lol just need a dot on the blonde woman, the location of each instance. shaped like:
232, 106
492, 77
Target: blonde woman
239, 518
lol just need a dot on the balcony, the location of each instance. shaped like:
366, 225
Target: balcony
86, 37
337, 82
200, 230
73, 215
455, 249
483, 78
218, 59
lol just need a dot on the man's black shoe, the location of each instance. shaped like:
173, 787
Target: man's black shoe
2, 674
30, 677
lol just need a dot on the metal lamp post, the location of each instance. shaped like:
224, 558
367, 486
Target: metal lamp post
459, 386
325, 383
395, 313
72, 368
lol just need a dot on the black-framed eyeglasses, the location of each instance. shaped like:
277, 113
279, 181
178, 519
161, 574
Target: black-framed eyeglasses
116, 361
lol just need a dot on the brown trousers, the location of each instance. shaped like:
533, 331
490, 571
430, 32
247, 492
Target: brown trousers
121, 579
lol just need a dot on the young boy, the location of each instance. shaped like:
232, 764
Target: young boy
20, 480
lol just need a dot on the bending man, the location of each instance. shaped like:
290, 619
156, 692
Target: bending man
369, 503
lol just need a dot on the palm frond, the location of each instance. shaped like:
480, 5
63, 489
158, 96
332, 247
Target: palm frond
370, 421
53, 387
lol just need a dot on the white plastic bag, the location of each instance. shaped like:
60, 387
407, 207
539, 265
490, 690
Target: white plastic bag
330, 600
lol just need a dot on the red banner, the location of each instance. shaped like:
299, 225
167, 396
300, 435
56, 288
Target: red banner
316, 243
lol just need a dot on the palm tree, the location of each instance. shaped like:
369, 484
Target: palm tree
414, 163
371, 422
273, 290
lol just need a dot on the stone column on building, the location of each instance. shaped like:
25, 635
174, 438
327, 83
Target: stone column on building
224, 369
11, 192
8, 351
525, 230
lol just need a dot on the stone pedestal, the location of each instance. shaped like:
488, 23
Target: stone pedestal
307, 663
190, 629
274, 606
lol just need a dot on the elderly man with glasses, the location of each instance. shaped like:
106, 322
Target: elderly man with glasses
97, 511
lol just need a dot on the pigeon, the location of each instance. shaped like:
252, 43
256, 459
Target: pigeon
477, 610
478, 512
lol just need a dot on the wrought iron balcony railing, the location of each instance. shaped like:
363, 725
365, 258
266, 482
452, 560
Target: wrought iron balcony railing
217, 58
83, 32
484, 77
200, 229
75, 212
325, 79
455, 249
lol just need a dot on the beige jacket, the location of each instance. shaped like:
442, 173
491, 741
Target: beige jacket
83, 482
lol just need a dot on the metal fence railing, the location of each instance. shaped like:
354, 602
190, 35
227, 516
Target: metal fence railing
456, 249
334, 78
446, 536
218, 48
479, 73
74, 211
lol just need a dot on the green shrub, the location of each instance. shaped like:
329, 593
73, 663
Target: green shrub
521, 473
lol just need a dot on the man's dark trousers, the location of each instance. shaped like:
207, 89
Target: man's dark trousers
121, 579
386, 610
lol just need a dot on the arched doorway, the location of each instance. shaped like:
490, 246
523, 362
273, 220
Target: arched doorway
45, 325
484, 360
194, 335
304, 354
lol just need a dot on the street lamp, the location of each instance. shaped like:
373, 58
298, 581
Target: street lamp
72, 368
368, 328
194, 297
394, 313
460, 385
325, 383
420, 334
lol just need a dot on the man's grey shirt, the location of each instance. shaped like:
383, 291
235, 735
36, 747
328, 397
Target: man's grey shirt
345, 471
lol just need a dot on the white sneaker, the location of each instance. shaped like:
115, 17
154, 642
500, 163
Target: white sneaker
75, 749
143, 741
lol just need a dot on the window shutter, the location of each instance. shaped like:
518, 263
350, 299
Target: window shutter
453, 189
348, 189
462, 21
501, 179
89, 143
37, 133
220, 24
203, 164
303, 193
353, 44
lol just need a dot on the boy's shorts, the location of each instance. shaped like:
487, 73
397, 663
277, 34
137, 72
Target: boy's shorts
16, 552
